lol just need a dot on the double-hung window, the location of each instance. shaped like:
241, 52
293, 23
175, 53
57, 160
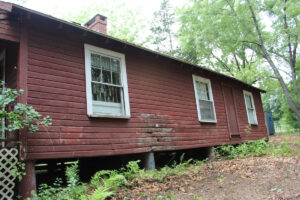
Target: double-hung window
106, 83
250, 108
204, 99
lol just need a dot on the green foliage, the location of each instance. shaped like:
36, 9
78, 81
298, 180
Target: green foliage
124, 22
74, 190
223, 35
105, 183
284, 149
72, 175
101, 193
17, 116
109, 179
18, 170
251, 148
100, 176
115, 181
163, 174
159, 175
163, 35
200, 37
132, 169
254, 148
21, 115
50, 192
274, 101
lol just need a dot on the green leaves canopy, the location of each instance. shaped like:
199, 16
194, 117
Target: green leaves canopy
246, 38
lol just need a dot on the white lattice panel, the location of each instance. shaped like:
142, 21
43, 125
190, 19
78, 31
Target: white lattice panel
8, 162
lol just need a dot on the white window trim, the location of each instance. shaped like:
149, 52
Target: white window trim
88, 49
255, 117
204, 80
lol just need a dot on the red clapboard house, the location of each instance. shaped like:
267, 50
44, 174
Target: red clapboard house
109, 97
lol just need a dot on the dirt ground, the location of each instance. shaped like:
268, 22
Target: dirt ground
254, 178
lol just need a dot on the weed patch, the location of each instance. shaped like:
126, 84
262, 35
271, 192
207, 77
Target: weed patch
254, 148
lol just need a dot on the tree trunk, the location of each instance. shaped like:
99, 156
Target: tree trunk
272, 65
283, 85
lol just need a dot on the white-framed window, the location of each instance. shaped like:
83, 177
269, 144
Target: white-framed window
106, 83
204, 99
250, 107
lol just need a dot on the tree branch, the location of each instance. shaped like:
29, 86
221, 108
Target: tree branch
292, 53
223, 64
237, 62
272, 65
262, 78
234, 13
279, 55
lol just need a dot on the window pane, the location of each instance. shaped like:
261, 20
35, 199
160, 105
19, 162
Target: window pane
95, 60
106, 76
251, 116
96, 74
106, 93
115, 65
116, 78
105, 63
206, 110
114, 94
96, 91
202, 90
248, 101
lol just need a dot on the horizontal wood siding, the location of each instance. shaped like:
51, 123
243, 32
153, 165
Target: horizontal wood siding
161, 94
9, 29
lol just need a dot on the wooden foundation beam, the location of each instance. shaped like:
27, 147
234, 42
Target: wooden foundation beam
28, 182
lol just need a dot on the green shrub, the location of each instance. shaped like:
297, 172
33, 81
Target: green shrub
132, 169
162, 174
72, 175
254, 148
282, 149
50, 192
100, 176
226, 151
250, 148
101, 193
115, 181
74, 190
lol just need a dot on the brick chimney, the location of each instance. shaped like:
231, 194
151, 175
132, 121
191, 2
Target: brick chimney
97, 23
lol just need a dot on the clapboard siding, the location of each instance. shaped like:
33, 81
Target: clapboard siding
9, 29
161, 96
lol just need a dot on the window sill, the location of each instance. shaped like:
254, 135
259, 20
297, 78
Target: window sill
208, 121
108, 116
